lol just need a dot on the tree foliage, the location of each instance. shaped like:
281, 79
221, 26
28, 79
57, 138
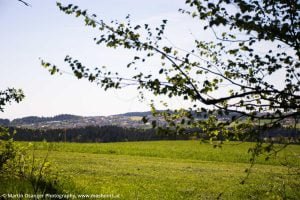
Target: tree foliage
254, 60
9, 95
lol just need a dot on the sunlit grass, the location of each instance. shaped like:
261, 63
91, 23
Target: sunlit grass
170, 170
194, 150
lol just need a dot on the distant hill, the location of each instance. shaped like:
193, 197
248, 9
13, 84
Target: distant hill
4, 122
35, 119
134, 114
75, 121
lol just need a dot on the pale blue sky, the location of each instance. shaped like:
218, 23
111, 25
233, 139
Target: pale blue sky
41, 30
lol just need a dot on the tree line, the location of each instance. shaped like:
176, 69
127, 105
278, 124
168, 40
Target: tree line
92, 134
112, 133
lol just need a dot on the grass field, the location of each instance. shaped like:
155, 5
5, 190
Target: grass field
172, 170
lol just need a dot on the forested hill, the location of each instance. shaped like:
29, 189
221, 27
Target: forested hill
4, 122
135, 114
35, 119
196, 114
74, 121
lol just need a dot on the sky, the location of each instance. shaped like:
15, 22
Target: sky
42, 31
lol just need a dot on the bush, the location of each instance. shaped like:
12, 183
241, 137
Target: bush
21, 171
7, 147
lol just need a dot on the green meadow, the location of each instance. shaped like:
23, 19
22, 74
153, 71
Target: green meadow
170, 170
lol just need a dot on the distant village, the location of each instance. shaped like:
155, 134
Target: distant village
66, 121
76, 122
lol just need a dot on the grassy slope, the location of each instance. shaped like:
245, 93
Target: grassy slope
169, 170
